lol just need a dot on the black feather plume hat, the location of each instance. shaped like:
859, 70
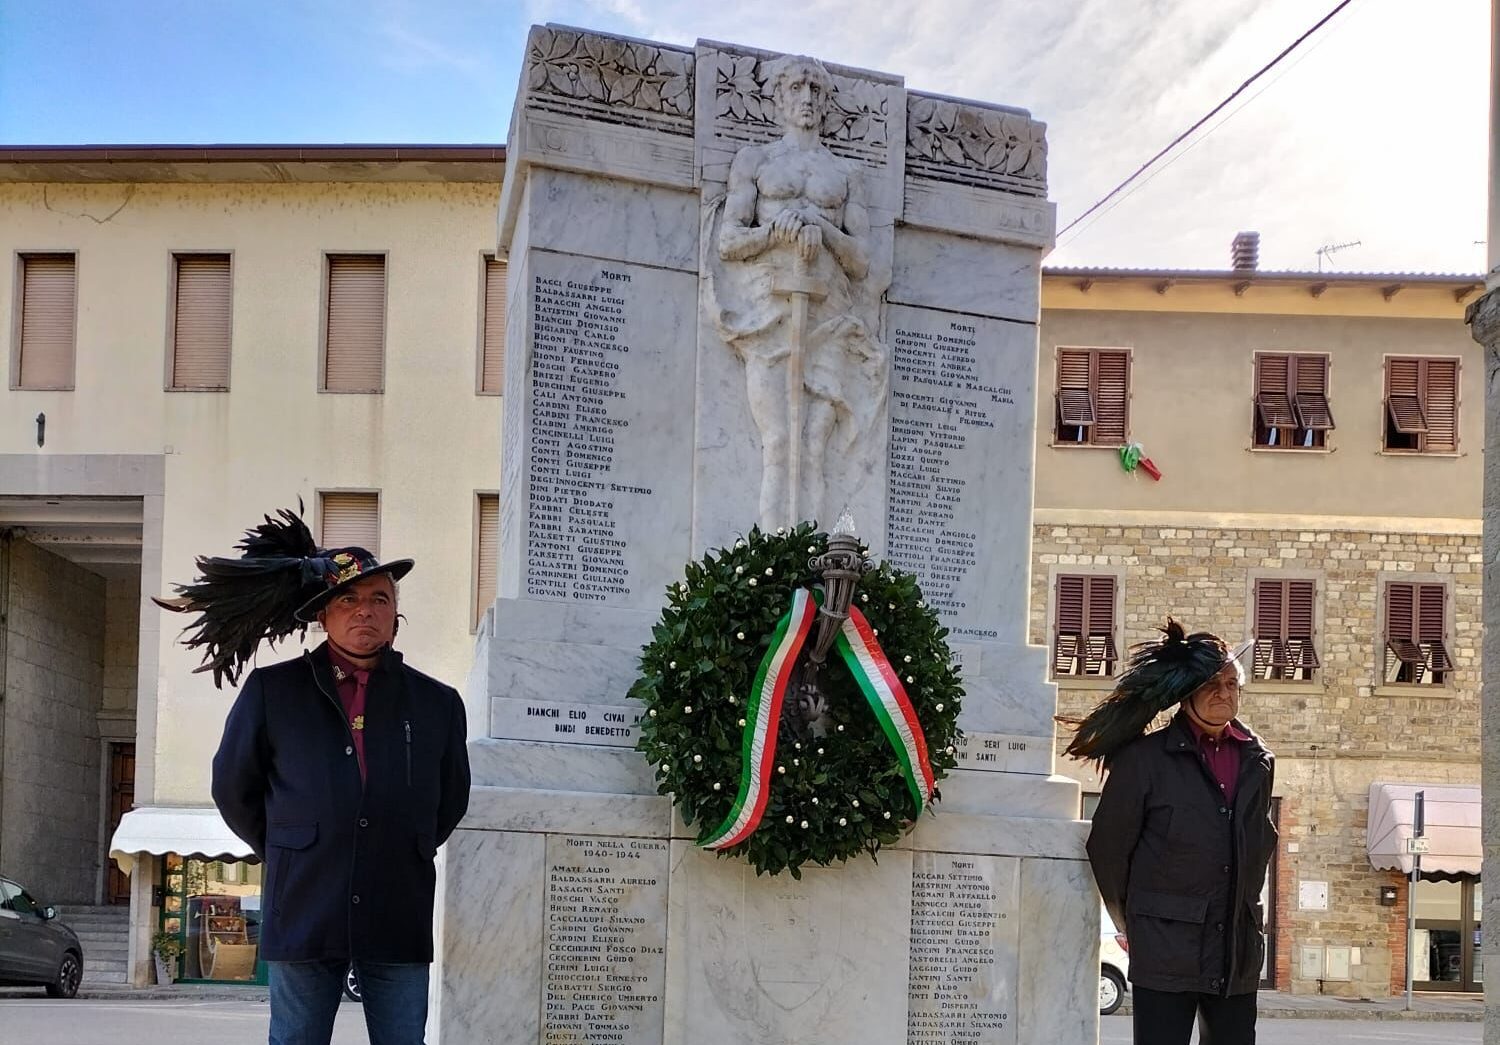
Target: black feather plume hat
275, 587
1160, 674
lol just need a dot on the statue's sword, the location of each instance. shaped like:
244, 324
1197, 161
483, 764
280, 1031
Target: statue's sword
800, 288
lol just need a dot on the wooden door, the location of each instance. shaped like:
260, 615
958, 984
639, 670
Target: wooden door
121, 801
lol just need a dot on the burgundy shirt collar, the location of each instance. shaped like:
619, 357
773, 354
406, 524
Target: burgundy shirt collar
1231, 732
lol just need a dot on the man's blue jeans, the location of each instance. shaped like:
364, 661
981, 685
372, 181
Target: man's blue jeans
305, 999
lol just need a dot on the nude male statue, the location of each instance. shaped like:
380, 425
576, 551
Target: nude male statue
795, 209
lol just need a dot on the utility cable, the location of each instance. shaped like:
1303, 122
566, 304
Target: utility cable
1208, 116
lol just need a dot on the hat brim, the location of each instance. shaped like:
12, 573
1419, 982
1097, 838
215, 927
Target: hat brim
307, 613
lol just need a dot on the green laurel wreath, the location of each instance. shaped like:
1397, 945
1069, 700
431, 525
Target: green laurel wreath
834, 796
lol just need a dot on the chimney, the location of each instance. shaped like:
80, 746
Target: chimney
1244, 253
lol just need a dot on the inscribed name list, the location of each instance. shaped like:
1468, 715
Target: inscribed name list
965, 958
960, 456
606, 940
611, 367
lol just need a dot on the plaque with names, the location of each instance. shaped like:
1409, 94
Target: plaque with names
611, 724
965, 955
959, 475
1004, 753
605, 965
607, 460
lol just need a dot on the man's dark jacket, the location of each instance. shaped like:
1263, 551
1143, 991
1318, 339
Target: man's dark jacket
1179, 869
349, 867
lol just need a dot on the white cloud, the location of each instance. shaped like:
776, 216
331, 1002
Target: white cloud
1373, 131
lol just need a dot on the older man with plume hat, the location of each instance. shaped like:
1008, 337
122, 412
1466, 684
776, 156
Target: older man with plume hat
1182, 836
343, 769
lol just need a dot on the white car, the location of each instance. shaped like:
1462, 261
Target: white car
1114, 965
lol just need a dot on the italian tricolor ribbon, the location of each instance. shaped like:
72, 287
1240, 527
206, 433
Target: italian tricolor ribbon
876, 678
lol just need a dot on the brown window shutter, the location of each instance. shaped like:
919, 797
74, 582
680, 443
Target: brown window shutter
1075, 403
1272, 379
351, 519
492, 372
1068, 634
1099, 619
1403, 396
48, 320
1270, 629
356, 324
1302, 653
1431, 627
1111, 397
1400, 627
487, 564
201, 322
1310, 393
1441, 402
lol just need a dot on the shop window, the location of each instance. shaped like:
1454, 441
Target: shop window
1291, 410
1093, 396
1083, 634
1285, 647
214, 907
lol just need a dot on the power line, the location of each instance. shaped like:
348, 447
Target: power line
1244, 104
1210, 115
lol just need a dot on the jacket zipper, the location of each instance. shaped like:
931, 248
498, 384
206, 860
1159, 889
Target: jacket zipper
407, 724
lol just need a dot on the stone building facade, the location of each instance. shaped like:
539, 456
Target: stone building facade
1229, 516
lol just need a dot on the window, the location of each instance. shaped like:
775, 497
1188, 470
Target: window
486, 554
1284, 646
1093, 396
200, 322
492, 330
350, 520
1415, 631
1291, 401
1421, 405
47, 325
354, 339
1084, 627
214, 908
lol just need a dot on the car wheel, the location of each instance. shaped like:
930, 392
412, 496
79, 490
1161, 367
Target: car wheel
69, 976
351, 985
1111, 991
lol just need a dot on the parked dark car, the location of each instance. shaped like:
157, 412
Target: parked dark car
36, 950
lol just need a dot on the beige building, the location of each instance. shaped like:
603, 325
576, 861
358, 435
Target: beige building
195, 337
1318, 439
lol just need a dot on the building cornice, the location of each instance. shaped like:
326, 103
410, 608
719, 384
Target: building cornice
252, 163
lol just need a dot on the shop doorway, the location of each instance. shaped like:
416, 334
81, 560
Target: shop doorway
1446, 950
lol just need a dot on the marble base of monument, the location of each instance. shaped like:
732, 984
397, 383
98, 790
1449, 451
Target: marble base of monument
584, 916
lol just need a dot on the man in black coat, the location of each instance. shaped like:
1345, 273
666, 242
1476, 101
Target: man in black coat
344, 770
1181, 839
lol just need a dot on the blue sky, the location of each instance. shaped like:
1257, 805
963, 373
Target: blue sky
154, 71
1374, 131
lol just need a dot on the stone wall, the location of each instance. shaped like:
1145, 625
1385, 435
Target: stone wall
54, 675
1333, 736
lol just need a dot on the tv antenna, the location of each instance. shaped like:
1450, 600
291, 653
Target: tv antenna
1332, 248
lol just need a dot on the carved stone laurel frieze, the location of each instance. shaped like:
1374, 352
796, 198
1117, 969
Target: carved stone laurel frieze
977, 145
610, 79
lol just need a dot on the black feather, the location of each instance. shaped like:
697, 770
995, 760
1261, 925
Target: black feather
1160, 674
241, 601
